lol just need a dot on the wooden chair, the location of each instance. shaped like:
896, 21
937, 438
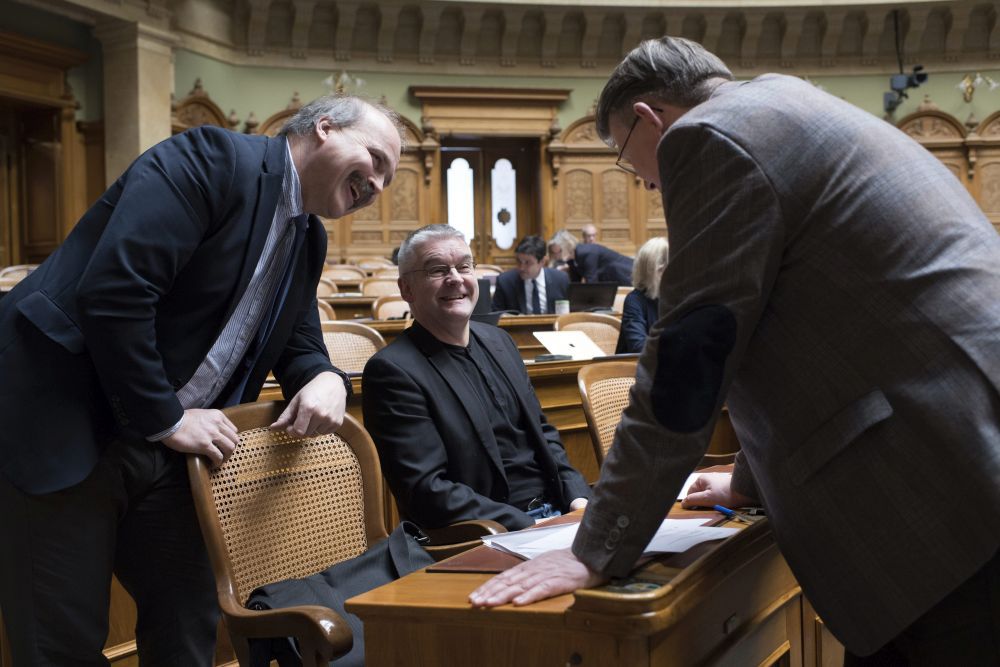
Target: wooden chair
12, 275
386, 272
486, 270
369, 264
326, 287
284, 507
619, 305
379, 286
390, 306
344, 273
604, 389
350, 344
602, 329
326, 311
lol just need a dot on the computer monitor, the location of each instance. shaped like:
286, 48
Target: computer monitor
591, 296
481, 312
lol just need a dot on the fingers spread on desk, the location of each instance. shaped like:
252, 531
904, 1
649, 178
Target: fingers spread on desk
548, 575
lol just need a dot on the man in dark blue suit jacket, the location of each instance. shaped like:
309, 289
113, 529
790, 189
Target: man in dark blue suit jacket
175, 294
516, 288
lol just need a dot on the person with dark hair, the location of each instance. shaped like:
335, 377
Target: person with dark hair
451, 410
641, 307
591, 262
531, 288
175, 295
837, 289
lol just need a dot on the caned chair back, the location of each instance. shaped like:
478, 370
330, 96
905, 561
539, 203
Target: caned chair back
12, 275
604, 388
344, 273
326, 287
486, 270
350, 344
390, 306
371, 263
619, 304
379, 286
602, 329
326, 311
284, 507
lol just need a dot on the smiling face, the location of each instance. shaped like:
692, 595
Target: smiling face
343, 170
443, 306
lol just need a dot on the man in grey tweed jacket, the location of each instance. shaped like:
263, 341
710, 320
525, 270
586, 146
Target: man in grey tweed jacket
834, 284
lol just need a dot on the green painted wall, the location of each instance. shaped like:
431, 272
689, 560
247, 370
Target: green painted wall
86, 80
265, 90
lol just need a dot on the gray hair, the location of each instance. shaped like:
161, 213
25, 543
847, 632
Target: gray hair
651, 257
342, 110
418, 237
674, 70
566, 241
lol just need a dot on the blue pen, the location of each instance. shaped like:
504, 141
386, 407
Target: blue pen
730, 514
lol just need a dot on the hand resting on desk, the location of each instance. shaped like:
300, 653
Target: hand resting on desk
713, 488
551, 574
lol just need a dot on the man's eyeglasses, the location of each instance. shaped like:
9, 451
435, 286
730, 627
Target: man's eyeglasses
441, 271
621, 162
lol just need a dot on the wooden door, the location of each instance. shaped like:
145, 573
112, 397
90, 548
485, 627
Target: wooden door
490, 191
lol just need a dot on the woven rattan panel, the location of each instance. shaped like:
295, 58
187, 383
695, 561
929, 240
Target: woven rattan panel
289, 507
348, 351
608, 399
604, 335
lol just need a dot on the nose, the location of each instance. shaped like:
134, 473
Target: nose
376, 184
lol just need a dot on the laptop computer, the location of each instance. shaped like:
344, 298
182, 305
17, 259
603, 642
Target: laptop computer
574, 344
591, 296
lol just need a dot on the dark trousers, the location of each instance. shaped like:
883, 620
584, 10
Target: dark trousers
133, 516
963, 629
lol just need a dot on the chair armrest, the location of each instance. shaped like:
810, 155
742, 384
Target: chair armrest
458, 537
319, 631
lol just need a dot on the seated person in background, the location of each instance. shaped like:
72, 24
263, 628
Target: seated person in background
592, 262
530, 288
589, 233
555, 258
458, 428
641, 307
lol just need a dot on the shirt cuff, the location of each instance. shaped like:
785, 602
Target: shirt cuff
166, 433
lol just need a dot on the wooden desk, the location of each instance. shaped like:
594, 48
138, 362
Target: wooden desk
350, 307
728, 603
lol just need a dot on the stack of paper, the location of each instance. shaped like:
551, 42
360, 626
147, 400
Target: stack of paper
673, 536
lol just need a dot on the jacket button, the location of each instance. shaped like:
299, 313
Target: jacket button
622, 522
609, 545
614, 534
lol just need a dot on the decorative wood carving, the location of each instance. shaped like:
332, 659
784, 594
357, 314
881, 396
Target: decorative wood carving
198, 109
276, 121
579, 196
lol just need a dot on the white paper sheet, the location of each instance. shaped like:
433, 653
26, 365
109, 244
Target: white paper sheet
673, 536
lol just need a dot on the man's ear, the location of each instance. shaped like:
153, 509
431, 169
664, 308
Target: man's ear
404, 289
646, 112
323, 128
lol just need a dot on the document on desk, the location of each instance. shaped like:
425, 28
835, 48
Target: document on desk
673, 536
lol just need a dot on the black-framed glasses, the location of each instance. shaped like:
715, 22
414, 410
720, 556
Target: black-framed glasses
441, 271
621, 162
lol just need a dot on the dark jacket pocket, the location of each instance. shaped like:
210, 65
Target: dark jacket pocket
52, 321
837, 433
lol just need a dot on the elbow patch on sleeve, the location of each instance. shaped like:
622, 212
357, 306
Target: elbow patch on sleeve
690, 363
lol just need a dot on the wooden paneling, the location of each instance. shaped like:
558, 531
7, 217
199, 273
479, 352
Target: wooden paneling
591, 189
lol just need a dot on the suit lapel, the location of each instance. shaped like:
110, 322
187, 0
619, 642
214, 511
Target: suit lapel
272, 173
438, 357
